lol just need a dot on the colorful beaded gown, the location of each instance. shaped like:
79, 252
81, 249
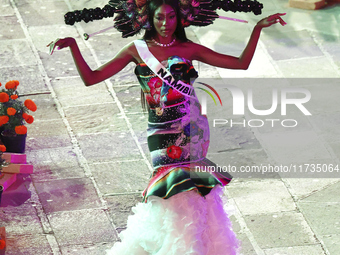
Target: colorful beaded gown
182, 209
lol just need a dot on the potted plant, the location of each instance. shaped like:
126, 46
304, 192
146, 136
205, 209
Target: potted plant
13, 117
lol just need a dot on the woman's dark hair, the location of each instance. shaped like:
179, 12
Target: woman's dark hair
152, 7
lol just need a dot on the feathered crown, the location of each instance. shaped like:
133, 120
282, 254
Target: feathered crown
132, 15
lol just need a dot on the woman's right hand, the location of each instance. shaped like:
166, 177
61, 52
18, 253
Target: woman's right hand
61, 43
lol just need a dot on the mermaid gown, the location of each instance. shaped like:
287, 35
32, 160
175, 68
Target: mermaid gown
182, 209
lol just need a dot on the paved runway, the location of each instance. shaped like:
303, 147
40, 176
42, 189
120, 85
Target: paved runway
88, 144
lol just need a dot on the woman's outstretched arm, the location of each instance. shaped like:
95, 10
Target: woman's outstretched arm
89, 76
211, 57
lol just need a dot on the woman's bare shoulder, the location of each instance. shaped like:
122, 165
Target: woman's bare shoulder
130, 49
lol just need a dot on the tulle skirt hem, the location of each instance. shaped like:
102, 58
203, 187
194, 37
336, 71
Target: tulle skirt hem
186, 223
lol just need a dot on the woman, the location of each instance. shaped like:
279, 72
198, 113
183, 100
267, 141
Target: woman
182, 211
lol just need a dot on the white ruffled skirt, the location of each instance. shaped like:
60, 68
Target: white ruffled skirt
185, 224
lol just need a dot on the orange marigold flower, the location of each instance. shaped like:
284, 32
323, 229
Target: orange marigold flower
4, 97
10, 85
25, 115
14, 97
29, 119
20, 130
30, 105
3, 149
2, 244
3, 120
0, 84
11, 111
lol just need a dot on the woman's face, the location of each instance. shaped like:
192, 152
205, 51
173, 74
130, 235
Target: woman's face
165, 20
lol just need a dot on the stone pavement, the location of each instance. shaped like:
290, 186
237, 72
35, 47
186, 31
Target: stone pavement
88, 145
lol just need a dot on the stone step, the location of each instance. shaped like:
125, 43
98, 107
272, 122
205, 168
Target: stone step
15, 158
7, 180
17, 169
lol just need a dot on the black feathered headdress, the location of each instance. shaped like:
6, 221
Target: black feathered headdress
132, 15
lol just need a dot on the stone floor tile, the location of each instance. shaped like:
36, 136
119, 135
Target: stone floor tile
243, 165
54, 163
280, 230
121, 177
82, 227
304, 187
301, 250
125, 76
120, 208
86, 249
260, 67
326, 195
28, 244
103, 147
67, 195
94, 119
43, 13
6, 8
29, 77
46, 108
336, 149
62, 87
321, 101
246, 248
69, 98
267, 196
328, 212
281, 45
15, 53
225, 138
10, 28
332, 243
108, 44
43, 35
327, 125
61, 63
292, 147
319, 67
18, 218
47, 134
129, 97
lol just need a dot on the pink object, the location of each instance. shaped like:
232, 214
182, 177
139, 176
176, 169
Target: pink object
18, 169
7, 180
15, 158
232, 19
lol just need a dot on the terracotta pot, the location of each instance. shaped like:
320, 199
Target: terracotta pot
13, 142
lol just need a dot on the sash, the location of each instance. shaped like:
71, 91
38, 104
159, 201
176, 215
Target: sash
161, 71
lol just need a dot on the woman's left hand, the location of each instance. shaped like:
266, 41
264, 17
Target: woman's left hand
271, 20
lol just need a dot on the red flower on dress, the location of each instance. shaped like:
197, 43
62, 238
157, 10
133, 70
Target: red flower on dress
155, 85
174, 152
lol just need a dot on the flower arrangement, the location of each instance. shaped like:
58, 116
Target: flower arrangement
13, 112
